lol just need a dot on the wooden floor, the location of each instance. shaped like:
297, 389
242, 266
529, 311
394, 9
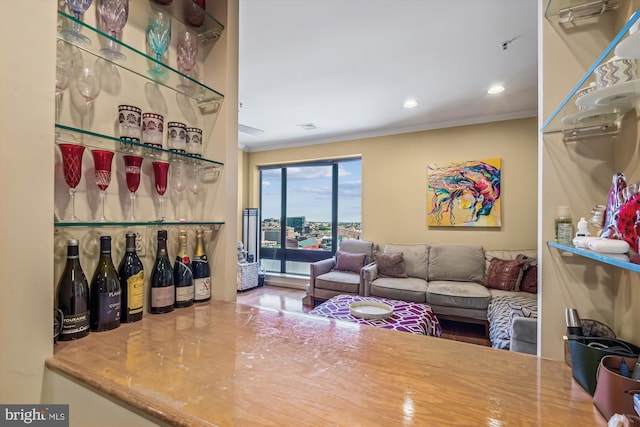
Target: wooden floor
291, 300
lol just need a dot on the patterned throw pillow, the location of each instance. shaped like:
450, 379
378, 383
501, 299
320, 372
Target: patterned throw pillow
504, 274
390, 264
529, 281
349, 262
520, 311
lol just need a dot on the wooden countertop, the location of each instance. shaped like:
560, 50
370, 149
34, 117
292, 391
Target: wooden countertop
231, 364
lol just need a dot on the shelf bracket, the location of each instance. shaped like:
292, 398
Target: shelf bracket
586, 10
591, 131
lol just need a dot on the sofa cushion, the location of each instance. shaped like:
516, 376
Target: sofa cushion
408, 289
341, 281
349, 262
461, 263
415, 257
504, 274
390, 265
458, 294
529, 281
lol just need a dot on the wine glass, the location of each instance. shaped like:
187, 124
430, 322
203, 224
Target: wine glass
178, 182
89, 85
102, 161
72, 168
194, 181
159, 37
160, 170
113, 16
77, 8
64, 72
133, 165
187, 55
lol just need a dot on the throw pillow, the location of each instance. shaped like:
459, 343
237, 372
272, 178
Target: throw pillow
520, 311
529, 281
349, 262
504, 274
390, 264
461, 263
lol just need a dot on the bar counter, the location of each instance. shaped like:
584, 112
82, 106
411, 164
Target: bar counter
223, 364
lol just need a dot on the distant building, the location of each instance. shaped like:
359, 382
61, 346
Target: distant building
297, 222
311, 243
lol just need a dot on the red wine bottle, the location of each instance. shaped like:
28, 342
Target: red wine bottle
131, 274
73, 296
201, 271
183, 275
161, 294
105, 291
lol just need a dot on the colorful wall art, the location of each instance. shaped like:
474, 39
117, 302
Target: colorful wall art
464, 194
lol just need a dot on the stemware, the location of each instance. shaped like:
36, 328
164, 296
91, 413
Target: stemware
160, 170
194, 182
133, 165
187, 52
77, 8
113, 16
159, 37
102, 160
64, 72
178, 182
72, 168
89, 85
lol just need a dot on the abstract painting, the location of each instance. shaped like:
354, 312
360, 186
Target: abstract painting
464, 194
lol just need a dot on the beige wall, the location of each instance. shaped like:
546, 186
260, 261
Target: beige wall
394, 176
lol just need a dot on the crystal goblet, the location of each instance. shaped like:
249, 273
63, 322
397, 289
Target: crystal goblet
72, 168
158, 37
178, 182
77, 8
113, 16
133, 165
102, 160
64, 72
187, 52
89, 85
160, 173
194, 182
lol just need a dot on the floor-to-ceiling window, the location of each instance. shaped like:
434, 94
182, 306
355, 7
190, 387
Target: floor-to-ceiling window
305, 209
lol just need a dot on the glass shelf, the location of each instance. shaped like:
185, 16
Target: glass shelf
209, 100
193, 16
609, 259
599, 111
215, 224
66, 134
572, 10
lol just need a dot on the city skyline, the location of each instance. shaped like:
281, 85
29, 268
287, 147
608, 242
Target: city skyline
309, 192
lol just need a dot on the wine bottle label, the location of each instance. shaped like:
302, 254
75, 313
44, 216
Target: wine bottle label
162, 297
202, 288
184, 293
109, 307
135, 285
74, 323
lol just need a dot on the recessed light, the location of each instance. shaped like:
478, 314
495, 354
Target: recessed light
410, 103
495, 89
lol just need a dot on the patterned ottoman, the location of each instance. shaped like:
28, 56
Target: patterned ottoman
407, 316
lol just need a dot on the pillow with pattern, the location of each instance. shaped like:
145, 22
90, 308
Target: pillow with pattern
346, 261
504, 274
520, 311
529, 281
390, 264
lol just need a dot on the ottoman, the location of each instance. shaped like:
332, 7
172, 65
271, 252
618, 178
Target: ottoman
407, 316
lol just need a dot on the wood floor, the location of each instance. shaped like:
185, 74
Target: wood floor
291, 300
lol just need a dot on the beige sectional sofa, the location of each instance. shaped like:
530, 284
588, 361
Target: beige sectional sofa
453, 280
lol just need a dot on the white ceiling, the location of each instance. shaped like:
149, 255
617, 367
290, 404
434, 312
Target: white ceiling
347, 66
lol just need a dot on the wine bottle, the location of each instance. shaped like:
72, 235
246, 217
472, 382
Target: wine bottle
105, 291
131, 274
162, 291
201, 272
73, 296
183, 275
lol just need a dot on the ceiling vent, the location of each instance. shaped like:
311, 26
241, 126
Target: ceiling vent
308, 126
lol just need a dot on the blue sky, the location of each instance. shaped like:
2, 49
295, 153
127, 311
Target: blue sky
309, 189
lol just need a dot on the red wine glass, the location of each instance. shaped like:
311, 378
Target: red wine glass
72, 167
102, 160
160, 173
132, 169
